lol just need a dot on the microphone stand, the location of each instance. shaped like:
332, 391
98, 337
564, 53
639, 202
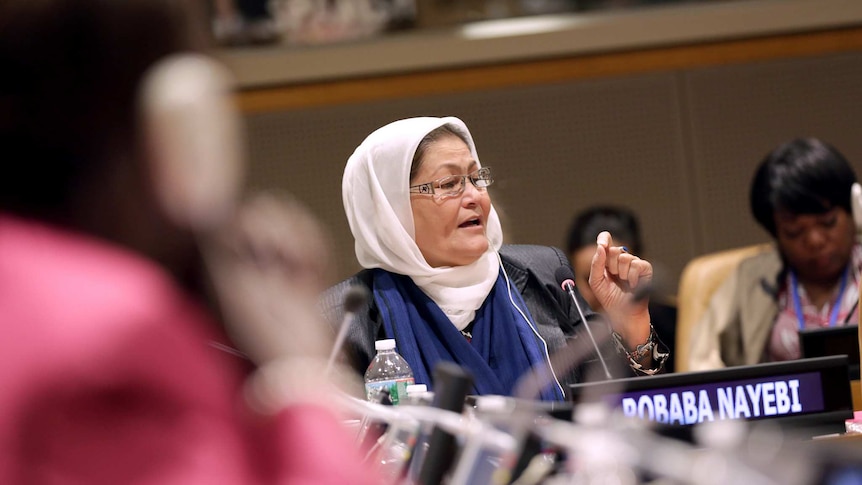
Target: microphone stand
569, 286
356, 298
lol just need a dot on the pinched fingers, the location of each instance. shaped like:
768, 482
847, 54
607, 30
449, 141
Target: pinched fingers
620, 263
604, 239
600, 258
640, 271
626, 266
597, 266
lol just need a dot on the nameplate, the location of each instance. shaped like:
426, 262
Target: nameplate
805, 389
744, 399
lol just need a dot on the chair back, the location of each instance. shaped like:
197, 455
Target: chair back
699, 280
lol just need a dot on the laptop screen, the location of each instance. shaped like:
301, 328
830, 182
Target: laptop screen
821, 342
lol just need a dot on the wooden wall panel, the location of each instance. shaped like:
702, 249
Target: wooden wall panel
739, 113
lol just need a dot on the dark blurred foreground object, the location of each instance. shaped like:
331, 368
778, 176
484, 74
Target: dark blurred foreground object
122, 165
453, 383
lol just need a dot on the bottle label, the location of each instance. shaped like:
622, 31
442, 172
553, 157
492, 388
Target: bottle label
397, 389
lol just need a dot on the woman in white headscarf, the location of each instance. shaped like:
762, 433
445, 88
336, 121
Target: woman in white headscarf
442, 283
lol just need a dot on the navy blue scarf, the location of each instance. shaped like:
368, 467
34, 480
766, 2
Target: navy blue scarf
502, 348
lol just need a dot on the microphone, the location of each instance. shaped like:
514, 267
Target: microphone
566, 279
354, 300
452, 383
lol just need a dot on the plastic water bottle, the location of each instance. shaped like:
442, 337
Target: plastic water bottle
397, 445
401, 438
388, 370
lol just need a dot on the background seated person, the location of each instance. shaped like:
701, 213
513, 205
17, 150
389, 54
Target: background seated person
442, 283
801, 195
581, 246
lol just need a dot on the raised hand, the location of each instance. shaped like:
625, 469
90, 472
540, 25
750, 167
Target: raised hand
614, 275
268, 268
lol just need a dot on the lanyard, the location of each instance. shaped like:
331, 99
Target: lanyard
833, 316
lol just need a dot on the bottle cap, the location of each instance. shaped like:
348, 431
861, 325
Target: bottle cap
416, 389
492, 403
387, 344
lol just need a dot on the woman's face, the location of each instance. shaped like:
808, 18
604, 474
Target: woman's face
816, 246
451, 231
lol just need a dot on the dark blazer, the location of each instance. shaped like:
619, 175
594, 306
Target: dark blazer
531, 270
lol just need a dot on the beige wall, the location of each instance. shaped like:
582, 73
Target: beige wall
679, 146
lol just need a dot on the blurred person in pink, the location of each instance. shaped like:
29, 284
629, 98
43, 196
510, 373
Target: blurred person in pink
116, 242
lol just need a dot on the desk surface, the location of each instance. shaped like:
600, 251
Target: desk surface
538, 37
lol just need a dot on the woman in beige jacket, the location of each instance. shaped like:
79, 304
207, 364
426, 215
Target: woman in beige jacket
801, 194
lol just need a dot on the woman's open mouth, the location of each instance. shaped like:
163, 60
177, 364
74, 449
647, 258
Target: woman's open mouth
474, 222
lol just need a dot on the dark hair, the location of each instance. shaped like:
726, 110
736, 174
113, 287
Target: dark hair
68, 93
433, 136
622, 224
802, 176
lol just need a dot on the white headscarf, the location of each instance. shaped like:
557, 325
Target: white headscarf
376, 196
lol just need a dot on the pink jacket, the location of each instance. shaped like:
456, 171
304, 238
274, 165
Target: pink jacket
108, 375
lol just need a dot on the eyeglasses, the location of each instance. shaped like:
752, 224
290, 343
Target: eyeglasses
453, 185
